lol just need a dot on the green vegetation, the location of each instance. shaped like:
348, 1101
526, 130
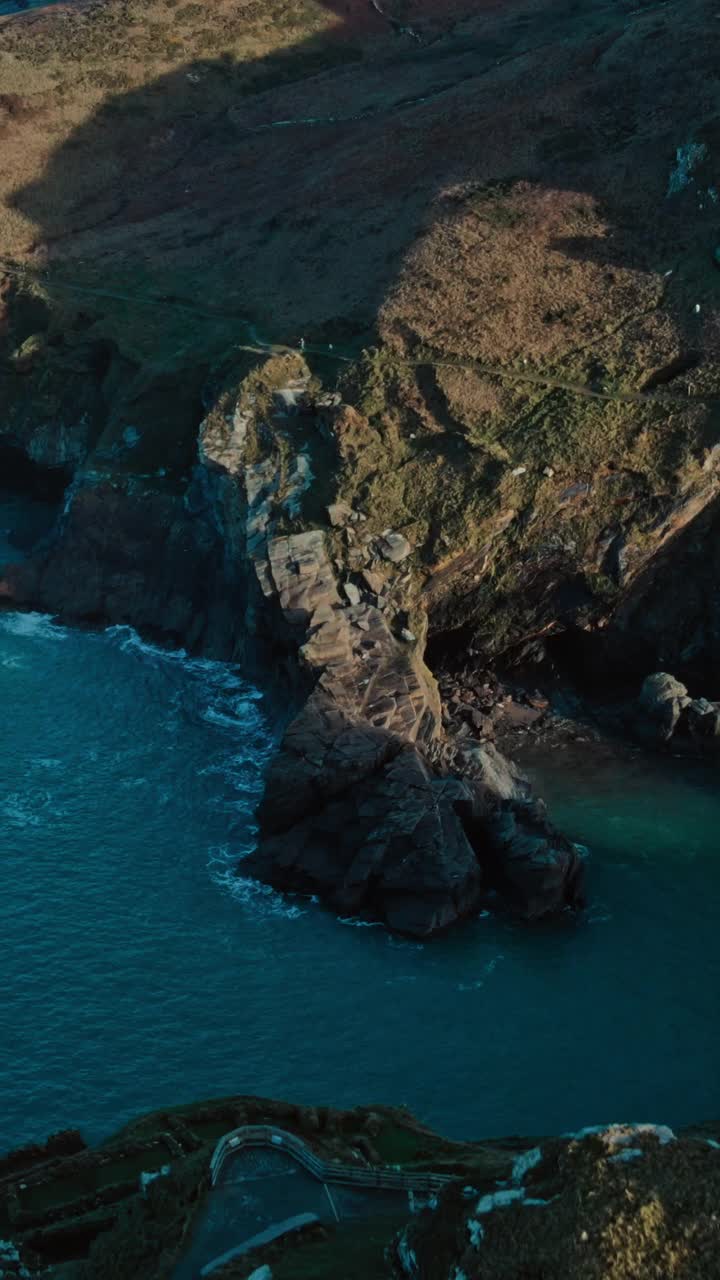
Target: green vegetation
356, 1251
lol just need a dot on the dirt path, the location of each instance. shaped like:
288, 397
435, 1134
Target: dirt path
260, 345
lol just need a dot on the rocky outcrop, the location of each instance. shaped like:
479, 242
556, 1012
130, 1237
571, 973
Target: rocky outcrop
131, 557
617, 1202
366, 803
666, 711
662, 702
353, 810
369, 803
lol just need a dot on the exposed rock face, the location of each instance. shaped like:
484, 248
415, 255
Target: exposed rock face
136, 558
668, 616
365, 804
662, 701
666, 710
352, 810
368, 804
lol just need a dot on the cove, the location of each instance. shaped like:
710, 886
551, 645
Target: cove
139, 971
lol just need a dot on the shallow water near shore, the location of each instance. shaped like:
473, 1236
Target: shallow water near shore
138, 971
10, 7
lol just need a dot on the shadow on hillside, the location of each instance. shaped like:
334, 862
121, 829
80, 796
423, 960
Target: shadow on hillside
290, 191
199, 188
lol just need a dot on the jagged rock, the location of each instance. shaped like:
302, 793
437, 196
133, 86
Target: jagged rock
394, 547
482, 723
519, 716
661, 703
373, 581
359, 807
537, 870
703, 718
375, 833
578, 490
338, 514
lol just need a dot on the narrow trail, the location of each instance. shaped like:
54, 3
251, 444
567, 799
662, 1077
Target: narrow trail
258, 345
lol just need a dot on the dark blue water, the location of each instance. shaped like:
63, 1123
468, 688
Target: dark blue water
8, 7
137, 971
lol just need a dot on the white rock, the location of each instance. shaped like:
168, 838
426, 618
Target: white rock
394, 547
519, 471
352, 592
339, 513
524, 1163
476, 1232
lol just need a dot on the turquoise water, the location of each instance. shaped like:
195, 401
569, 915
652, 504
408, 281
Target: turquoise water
9, 7
22, 6
137, 971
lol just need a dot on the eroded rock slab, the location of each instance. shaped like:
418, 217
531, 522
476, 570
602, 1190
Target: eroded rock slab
367, 805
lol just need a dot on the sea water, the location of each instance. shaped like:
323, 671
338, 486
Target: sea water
138, 970
9, 7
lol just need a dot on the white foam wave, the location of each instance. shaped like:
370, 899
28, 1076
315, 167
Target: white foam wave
354, 922
224, 675
15, 809
487, 970
225, 719
31, 810
35, 626
403, 944
262, 898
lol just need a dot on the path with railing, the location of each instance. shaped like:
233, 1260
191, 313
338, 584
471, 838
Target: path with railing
260, 1135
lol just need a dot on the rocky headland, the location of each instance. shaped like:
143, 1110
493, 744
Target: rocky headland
440, 398
365, 344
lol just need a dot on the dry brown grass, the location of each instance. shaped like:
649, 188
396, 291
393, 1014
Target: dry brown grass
652, 1218
496, 196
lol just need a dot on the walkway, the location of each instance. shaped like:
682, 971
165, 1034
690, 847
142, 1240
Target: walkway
265, 1180
239, 1140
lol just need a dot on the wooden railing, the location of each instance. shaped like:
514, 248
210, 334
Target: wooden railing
348, 1175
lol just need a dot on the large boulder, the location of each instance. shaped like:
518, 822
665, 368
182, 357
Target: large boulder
661, 703
370, 830
537, 870
703, 721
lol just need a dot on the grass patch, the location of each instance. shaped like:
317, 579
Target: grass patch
353, 1252
95, 1177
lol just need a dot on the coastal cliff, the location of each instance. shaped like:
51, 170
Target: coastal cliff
363, 344
369, 803
441, 396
